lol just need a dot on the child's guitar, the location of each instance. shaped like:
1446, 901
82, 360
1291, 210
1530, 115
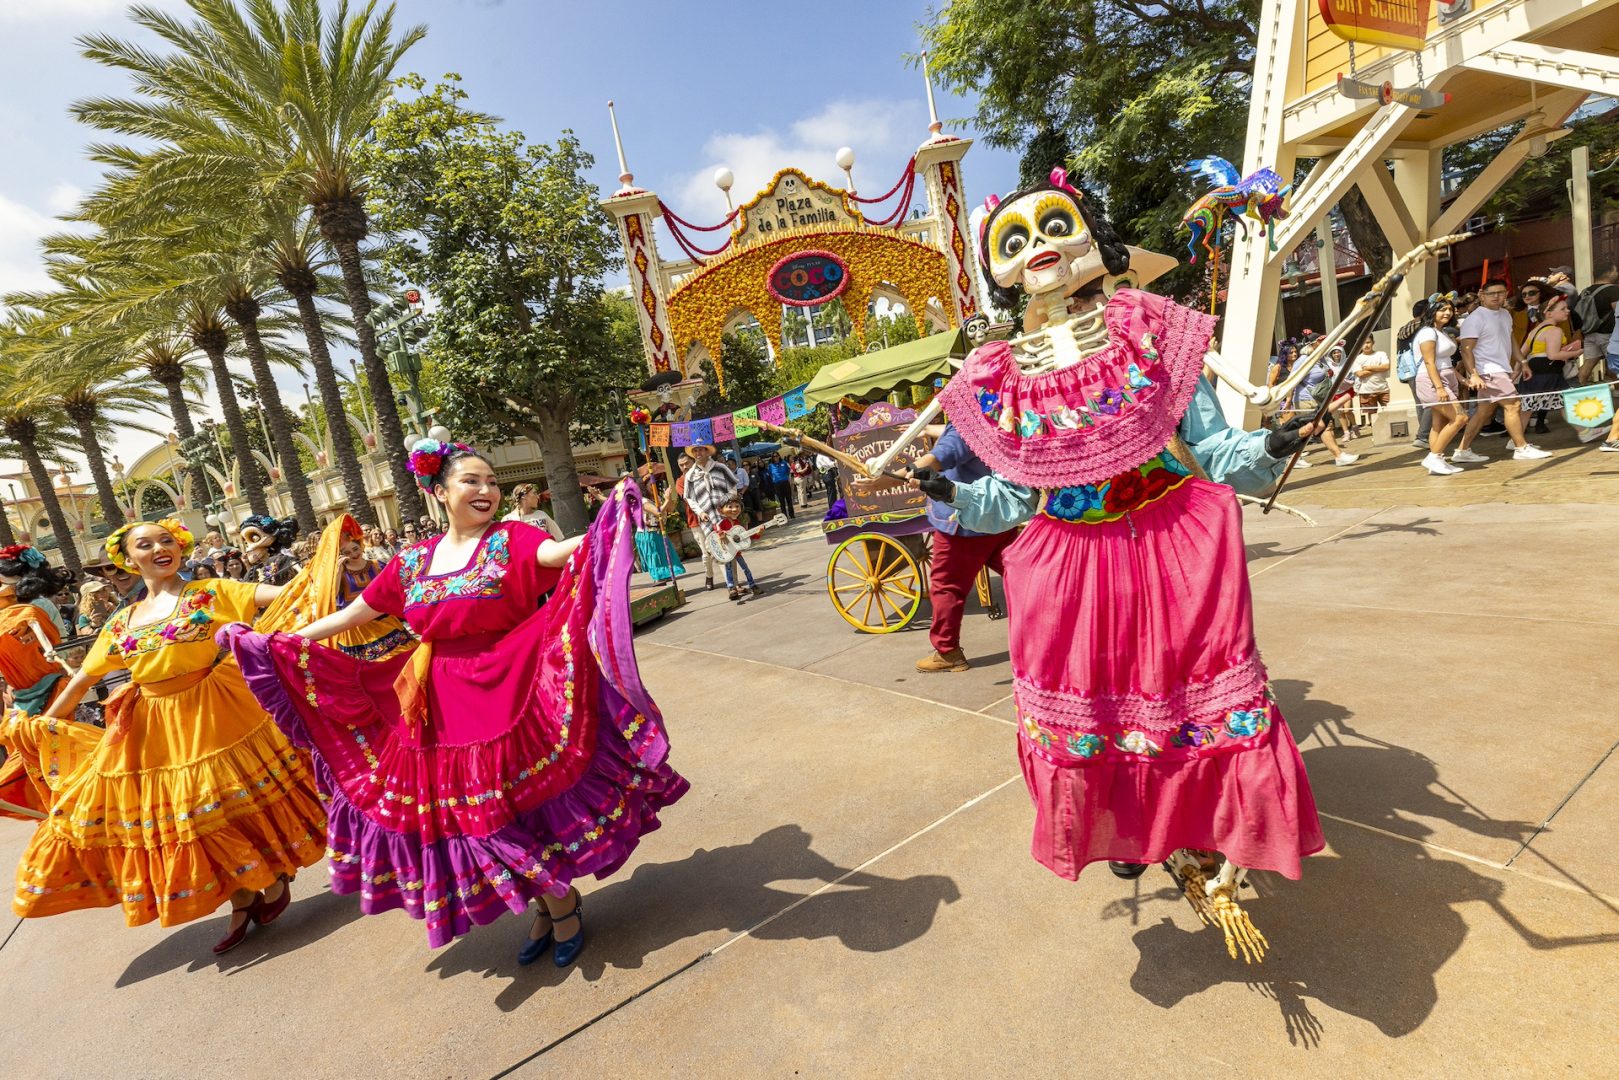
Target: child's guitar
724, 545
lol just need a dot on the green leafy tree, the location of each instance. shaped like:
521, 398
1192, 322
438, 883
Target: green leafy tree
1133, 90
508, 238
749, 377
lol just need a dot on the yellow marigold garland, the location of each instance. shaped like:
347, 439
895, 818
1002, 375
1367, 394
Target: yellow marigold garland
737, 281
173, 526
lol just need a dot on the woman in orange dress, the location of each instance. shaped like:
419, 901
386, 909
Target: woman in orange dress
193, 797
30, 629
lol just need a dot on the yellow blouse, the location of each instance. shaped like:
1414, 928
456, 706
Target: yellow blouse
179, 644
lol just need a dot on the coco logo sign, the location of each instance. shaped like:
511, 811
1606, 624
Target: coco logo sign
808, 278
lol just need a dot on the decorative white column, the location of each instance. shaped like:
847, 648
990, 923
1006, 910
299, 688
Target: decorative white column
636, 211
938, 162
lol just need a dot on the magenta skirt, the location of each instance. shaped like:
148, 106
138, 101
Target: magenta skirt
1146, 723
542, 761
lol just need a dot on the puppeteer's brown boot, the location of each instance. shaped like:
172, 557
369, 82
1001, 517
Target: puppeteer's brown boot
954, 660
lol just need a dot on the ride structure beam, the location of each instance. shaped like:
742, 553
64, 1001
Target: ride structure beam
1592, 72
1492, 27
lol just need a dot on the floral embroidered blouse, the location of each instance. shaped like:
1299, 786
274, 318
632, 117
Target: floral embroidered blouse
500, 586
179, 644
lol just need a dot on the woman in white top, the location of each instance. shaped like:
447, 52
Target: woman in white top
1437, 385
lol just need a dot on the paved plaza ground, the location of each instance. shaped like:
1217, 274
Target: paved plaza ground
847, 889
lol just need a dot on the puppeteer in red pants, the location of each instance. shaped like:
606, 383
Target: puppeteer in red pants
958, 555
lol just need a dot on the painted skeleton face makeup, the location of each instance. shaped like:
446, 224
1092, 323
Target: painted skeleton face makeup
1038, 242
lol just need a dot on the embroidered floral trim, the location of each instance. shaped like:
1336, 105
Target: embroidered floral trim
189, 622
1112, 499
484, 578
1194, 703
1191, 740
1047, 430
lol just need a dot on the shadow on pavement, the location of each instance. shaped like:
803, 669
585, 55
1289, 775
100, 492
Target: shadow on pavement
1367, 930
305, 922
727, 889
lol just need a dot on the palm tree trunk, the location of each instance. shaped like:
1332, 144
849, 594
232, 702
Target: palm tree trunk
7, 536
47, 495
253, 480
178, 408
407, 495
111, 512
246, 315
337, 421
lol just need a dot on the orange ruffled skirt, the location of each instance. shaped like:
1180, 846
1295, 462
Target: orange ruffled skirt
191, 794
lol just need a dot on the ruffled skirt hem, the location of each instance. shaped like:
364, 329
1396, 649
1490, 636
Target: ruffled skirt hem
1253, 805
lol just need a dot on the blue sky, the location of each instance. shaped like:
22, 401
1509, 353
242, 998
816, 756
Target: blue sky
698, 84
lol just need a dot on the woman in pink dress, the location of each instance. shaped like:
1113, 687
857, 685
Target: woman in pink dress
514, 752
1147, 729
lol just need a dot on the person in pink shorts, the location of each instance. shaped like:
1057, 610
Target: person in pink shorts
1491, 366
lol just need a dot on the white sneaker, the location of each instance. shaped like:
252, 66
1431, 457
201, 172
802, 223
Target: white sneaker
1346, 459
1467, 457
1527, 452
1438, 466
1303, 463
1590, 434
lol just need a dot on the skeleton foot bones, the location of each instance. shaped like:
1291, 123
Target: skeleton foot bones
1216, 904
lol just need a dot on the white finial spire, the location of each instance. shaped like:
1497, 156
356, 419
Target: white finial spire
626, 178
935, 128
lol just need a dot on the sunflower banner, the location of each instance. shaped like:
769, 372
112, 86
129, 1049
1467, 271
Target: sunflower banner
1588, 406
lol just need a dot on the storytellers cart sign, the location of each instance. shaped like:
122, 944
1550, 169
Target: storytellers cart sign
869, 437
1396, 24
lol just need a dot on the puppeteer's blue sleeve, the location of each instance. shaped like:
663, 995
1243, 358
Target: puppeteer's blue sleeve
1229, 455
993, 505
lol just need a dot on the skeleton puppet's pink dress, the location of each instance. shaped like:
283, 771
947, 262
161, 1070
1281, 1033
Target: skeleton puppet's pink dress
1145, 720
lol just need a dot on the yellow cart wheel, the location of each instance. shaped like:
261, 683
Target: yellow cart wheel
874, 582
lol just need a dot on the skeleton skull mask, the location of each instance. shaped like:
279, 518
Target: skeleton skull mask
1038, 239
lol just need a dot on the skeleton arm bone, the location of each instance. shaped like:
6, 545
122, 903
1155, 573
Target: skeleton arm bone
1271, 398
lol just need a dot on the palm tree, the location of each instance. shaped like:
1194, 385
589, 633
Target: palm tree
342, 76
206, 329
243, 305
248, 103
7, 535
142, 283
25, 406
294, 261
90, 388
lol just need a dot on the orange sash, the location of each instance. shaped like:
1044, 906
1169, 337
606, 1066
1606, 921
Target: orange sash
119, 709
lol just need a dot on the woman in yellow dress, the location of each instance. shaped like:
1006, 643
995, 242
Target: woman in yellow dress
193, 797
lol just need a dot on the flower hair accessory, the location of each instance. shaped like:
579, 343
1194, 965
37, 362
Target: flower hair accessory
427, 458
173, 526
25, 554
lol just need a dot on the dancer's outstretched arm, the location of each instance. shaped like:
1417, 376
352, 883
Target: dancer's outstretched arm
356, 614
553, 553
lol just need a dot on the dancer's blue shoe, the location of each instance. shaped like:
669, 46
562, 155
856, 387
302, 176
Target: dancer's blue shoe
534, 948
568, 951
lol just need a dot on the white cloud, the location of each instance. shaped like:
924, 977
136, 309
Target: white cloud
883, 135
63, 198
20, 229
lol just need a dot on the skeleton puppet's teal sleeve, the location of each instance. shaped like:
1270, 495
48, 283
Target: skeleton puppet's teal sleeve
993, 505
1229, 455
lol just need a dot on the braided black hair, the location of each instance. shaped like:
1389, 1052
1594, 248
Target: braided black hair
282, 531
1115, 255
34, 578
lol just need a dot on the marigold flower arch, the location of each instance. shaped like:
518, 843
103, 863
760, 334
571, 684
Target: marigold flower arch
705, 302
